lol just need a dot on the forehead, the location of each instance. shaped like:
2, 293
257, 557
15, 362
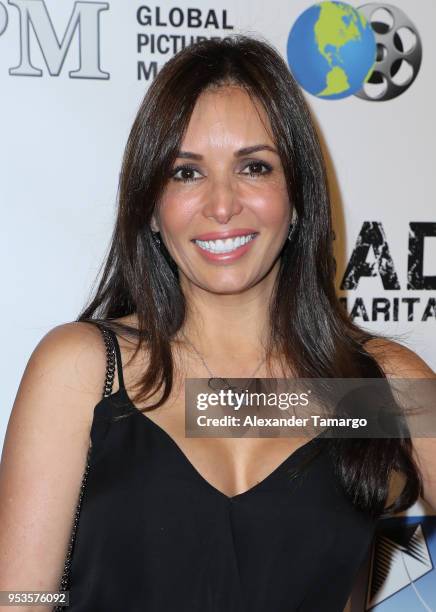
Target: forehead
227, 114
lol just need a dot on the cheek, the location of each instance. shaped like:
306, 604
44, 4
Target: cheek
272, 206
176, 212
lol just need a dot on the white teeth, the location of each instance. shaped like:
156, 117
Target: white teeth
224, 246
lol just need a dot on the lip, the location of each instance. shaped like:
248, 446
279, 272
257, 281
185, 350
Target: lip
243, 231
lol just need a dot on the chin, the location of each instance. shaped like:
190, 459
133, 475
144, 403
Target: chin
228, 286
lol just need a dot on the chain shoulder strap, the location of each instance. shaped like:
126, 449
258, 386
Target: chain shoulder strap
107, 390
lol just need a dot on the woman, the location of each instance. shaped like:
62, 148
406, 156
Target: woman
222, 146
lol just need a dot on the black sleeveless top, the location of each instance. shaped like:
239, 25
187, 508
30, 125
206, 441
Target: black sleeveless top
152, 535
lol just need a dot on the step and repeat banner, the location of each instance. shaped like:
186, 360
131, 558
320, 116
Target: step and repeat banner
72, 76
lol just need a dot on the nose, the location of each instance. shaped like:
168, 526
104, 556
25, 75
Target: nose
222, 201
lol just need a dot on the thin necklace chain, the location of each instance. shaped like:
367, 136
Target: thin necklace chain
217, 378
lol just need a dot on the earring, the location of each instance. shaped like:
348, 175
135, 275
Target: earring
156, 238
292, 225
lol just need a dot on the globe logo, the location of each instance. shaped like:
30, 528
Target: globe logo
331, 50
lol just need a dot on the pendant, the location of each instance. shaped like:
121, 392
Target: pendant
214, 383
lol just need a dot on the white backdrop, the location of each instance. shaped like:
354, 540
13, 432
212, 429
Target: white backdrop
63, 138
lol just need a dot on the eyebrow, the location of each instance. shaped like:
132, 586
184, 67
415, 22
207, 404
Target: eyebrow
238, 153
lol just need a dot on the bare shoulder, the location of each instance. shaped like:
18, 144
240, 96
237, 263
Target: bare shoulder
397, 360
69, 361
44, 453
61, 384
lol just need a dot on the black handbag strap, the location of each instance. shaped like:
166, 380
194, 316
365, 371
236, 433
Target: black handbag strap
107, 390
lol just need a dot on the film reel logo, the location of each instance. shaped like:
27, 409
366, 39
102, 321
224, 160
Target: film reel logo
399, 52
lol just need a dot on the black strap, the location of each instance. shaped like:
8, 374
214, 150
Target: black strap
110, 360
112, 350
116, 347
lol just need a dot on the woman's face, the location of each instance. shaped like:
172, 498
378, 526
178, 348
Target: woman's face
217, 187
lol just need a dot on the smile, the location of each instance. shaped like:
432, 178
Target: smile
224, 246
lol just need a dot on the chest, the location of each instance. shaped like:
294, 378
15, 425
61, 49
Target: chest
232, 465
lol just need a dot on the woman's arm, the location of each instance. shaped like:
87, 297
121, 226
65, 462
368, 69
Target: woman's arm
44, 456
399, 361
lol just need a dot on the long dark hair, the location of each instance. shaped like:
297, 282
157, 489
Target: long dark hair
309, 327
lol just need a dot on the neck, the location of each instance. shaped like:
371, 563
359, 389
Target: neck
230, 331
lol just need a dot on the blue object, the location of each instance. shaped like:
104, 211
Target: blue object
331, 50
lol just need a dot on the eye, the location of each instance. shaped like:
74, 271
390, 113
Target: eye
255, 168
185, 173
